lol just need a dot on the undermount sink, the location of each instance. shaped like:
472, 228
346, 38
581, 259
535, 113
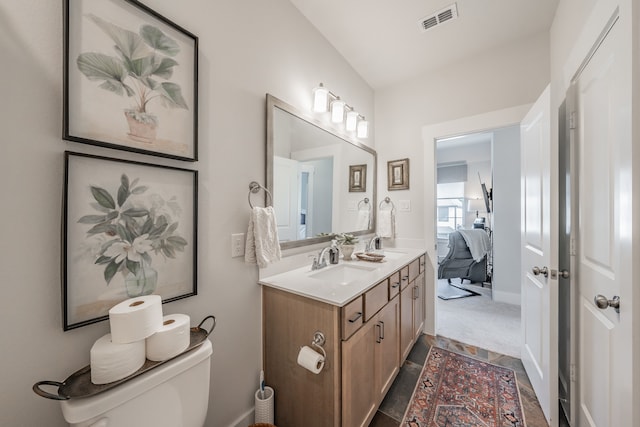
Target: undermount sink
342, 274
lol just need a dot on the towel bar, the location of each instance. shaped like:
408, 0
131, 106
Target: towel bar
388, 201
254, 187
364, 202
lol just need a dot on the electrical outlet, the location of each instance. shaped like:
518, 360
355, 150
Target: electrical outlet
237, 245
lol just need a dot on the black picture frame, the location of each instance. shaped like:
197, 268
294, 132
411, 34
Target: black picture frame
130, 79
129, 229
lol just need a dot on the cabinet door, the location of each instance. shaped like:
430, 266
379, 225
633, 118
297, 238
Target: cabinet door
359, 401
406, 322
387, 346
418, 305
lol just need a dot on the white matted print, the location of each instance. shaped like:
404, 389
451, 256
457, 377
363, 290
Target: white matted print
130, 79
129, 230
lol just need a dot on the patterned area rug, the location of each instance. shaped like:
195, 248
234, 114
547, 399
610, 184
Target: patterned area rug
459, 391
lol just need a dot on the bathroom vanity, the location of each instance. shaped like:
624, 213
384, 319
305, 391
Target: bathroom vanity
370, 314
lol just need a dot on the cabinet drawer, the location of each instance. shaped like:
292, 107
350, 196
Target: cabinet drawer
422, 263
404, 277
414, 270
394, 284
376, 298
352, 317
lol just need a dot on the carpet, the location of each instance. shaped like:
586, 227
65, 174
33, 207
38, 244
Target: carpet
447, 291
456, 390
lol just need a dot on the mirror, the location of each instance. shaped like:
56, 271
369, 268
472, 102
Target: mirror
322, 181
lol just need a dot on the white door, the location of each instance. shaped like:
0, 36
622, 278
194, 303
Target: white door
604, 250
285, 197
539, 293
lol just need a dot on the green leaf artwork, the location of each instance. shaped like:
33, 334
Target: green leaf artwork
134, 230
140, 69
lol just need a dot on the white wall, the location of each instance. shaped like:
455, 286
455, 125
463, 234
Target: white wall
506, 215
504, 77
247, 48
480, 93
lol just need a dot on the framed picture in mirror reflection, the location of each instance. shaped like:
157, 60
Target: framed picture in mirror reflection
357, 178
398, 174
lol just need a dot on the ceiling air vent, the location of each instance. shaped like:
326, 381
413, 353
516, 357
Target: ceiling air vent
440, 17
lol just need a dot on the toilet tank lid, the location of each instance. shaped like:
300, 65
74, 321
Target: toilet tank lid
82, 409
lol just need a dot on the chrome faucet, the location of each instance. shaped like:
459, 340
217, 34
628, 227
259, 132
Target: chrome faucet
373, 244
320, 261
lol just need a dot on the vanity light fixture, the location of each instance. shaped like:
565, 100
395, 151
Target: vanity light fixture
363, 128
320, 98
337, 110
354, 121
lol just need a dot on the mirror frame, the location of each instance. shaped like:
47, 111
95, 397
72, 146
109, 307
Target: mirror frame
273, 102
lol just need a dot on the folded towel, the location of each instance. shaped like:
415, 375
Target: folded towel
478, 242
386, 223
262, 245
362, 221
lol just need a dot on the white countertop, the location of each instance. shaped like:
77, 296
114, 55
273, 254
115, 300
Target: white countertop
364, 275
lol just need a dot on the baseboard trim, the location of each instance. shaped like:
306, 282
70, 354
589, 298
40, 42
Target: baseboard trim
506, 297
244, 420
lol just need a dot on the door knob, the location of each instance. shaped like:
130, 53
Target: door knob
537, 271
564, 274
602, 302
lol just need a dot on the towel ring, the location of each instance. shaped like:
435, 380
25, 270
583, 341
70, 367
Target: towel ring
388, 201
365, 202
254, 187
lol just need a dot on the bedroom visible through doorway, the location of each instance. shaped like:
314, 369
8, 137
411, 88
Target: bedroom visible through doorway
471, 256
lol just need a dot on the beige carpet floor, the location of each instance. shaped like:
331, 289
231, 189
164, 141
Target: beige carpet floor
480, 321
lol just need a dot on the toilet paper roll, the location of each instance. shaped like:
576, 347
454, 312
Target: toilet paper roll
172, 339
112, 361
135, 319
310, 359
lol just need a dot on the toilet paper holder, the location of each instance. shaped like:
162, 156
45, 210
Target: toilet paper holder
318, 339
318, 342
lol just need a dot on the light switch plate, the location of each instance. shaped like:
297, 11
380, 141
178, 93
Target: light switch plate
237, 245
405, 205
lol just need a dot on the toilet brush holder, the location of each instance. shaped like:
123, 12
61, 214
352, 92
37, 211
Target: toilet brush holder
264, 406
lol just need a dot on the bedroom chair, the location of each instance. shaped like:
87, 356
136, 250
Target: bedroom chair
459, 263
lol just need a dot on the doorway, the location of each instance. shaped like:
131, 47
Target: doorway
470, 168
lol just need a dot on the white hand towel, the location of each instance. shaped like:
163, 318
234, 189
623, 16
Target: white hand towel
262, 245
386, 223
362, 221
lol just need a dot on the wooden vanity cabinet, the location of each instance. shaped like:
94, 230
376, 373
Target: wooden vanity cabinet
412, 306
363, 345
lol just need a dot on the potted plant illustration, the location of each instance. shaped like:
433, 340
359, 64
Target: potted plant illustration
347, 244
128, 229
141, 69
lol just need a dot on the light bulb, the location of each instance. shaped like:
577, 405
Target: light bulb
337, 110
352, 120
320, 95
363, 129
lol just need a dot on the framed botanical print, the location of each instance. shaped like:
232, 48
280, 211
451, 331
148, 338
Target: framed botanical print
130, 79
130, 229
357, 178
398, 174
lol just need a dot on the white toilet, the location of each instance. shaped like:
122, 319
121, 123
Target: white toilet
175, 394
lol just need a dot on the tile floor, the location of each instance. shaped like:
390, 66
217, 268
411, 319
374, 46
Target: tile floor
395, 403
